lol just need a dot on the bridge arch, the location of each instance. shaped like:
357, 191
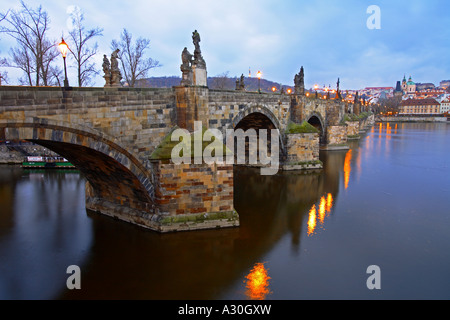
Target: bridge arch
316, 120
259, 117
115, 176
255, 110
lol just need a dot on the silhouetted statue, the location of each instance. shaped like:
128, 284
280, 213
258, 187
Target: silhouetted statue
186, 69
299, 82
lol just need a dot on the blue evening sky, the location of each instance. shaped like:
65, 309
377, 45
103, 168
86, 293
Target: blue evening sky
329, 38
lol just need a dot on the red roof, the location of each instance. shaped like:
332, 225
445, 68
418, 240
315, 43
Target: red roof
379, 88
419, 102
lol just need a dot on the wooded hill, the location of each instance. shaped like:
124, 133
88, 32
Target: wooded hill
219, 82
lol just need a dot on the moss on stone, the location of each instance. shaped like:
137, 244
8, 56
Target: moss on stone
201, 217
164, 150
351, 117
306, 163
304, 127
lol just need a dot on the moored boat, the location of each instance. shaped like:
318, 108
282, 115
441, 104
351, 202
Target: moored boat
46, 162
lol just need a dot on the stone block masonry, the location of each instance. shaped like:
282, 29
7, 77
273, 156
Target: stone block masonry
353, 130
193, 196
137, 118
192, 105
302, 152
336, 138
225, 107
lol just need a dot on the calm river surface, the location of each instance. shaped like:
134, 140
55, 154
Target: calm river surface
384, 202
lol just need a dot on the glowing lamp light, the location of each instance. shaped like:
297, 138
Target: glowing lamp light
258, 75
63, 47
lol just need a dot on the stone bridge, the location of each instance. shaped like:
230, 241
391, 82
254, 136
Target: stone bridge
110, 135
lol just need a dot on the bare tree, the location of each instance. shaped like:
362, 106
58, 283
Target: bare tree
35, 52
81, 52
3, 74
3, 61
222, 81
134, 65
391, 104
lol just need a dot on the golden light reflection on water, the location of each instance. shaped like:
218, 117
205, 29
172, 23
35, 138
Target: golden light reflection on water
388, 132
324, 208
347, 167
257, 282
312, 220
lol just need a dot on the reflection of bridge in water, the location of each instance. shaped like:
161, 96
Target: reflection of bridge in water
271, 208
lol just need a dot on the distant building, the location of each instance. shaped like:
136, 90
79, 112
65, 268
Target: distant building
445, 84
408, 87
398, 90
445, 105
425, 86
420, 107
429, 94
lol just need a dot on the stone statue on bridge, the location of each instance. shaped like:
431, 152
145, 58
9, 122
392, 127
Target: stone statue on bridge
193, 68
338, 91
106, 70
240, 85
299, 82
186, 69
116, 76
106, 66
198, 59
111, 71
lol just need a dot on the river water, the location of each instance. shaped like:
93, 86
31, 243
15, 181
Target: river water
384, 202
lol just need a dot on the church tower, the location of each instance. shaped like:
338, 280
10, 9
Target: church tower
398, 90
410, 86
404, 87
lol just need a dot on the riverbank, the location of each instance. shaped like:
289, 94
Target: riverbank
412, 119
31, 156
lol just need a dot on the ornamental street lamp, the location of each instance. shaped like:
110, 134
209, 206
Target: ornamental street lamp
63, 47
259, 81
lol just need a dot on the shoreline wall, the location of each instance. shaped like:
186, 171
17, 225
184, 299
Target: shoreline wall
413, 119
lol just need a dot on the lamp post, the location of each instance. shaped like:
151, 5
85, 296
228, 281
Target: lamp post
63, 47
259, 81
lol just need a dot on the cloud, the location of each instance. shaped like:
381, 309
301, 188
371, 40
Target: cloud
329, 38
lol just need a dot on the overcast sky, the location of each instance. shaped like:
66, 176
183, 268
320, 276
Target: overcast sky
329, 38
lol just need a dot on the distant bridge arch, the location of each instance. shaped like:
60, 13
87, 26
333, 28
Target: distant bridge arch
317, 121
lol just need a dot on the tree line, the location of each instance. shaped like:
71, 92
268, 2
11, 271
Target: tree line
35, 53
